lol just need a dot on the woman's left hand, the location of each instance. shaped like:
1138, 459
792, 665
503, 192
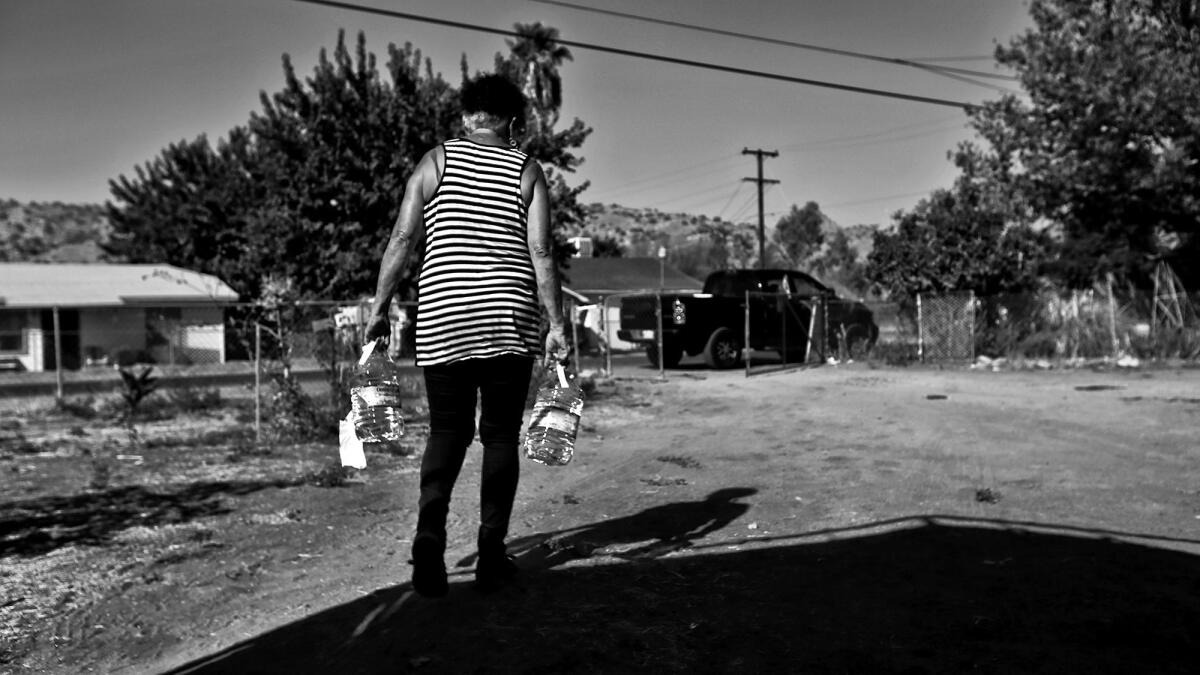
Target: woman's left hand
557, 347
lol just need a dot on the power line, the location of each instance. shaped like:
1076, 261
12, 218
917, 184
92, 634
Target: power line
655, 181
884, 198
678, 198
653, 57
746, 208
869, 139
787, 43
976, 57
736, 190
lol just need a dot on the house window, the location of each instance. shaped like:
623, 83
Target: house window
161, 323
12, 336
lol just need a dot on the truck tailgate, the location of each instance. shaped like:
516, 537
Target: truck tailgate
639, 312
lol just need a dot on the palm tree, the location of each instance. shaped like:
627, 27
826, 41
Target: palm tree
535, 59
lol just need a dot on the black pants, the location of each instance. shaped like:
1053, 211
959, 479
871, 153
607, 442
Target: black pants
502, 383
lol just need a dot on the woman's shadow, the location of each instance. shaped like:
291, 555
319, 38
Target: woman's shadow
645, 535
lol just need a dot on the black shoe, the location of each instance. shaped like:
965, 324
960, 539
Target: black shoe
494, 571
429, 567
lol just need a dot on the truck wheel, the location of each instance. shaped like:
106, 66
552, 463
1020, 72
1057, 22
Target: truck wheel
674, 354
723, 349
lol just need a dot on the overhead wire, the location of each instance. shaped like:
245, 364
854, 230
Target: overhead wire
976, 57
704, 191
736, 190
646, 55
656, 181
748, 207
867, 140
883, 198
659, 180
961, 74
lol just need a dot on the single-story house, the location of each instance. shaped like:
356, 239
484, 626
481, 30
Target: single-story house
106, 313
601, 279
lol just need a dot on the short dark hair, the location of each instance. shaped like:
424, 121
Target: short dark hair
493, 95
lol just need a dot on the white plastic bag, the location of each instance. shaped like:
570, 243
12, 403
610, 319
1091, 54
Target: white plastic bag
349, 447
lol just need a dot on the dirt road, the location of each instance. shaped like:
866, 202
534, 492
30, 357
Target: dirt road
838, 520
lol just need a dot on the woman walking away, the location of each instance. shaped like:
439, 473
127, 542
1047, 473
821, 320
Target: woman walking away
487, 274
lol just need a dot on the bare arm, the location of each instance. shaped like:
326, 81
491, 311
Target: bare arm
541, 250
409, 226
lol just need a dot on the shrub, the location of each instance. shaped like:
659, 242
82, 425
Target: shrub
194, 399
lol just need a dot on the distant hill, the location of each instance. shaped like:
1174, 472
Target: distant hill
52, 232
696, 244
640, 231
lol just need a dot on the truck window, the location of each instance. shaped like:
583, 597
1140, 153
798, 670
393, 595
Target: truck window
774, 285
728, 284
805, 287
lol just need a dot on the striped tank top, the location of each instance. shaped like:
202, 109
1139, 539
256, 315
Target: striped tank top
476, 292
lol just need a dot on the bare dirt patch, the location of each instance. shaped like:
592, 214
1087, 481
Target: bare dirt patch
823, 520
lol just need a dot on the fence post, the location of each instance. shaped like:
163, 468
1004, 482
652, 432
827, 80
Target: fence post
920, 332
1112, 318
746, 335
971, 323
658, 315
257, 383
58, 365
606, 343
824, 329
335, 365
575, 332
812, 332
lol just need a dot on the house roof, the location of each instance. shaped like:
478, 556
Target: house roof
105, 285
605, 276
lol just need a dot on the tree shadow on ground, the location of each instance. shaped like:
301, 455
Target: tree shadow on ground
38, 526
912, 595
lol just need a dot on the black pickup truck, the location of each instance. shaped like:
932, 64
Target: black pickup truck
713, 322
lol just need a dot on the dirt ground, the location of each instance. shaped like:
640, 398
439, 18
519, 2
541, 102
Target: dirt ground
846, 519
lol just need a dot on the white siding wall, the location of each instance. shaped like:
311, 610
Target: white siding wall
35, 359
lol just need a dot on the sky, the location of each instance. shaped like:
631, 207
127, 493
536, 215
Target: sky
90, 90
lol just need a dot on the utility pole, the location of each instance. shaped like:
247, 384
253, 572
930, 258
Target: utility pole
762, 257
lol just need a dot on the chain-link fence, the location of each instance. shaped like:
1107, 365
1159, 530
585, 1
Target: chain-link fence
760, 331
1096, 323
764, 331
770, 331
946, 327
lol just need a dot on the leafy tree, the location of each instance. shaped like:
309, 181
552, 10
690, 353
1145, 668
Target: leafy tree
341, 144
799, 233
194, 206
1106, 148
839, 262
949, 242
307, 190
607, 247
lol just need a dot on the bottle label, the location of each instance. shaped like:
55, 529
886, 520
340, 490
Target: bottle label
379, 396
555, 418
